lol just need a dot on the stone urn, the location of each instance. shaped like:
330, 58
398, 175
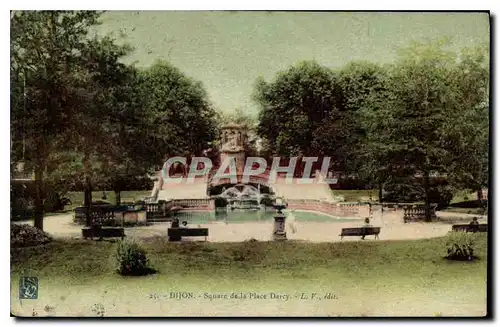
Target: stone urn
279, 232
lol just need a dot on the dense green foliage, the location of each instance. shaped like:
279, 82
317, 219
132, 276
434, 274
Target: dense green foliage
48, 93
401, 125
179, 108
294, 106
460, 245
131, 259
82, 117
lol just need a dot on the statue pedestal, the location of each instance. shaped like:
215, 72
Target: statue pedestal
279, 233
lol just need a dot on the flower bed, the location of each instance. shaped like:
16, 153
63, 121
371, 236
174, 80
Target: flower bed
26, 235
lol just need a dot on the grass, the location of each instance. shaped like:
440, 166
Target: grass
463, 195
78, 197
458, 220
369, 278
353, 260
357, 195
363, 195
473, 211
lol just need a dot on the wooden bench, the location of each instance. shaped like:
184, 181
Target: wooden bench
417, 212
360, 231
482, 228
103, 232
176, 234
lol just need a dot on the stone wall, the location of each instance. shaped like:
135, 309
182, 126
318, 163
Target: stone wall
358, 210
195, 205
131, 217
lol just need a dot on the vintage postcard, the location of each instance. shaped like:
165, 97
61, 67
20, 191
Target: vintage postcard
249, 164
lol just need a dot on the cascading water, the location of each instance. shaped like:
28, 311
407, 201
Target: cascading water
242, 197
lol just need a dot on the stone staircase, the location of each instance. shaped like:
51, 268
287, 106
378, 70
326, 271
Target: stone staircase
196, 190
295, 191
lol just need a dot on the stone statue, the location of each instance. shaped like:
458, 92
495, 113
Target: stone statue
224, 137
238, 138
233, 139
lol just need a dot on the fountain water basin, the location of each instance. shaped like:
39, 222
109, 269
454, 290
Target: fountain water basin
242, 197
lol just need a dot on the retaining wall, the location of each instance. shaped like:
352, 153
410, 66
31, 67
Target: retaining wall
332, 208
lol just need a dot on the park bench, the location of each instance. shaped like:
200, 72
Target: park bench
176, 234
483, 228
360, 231
102, 232
416, 212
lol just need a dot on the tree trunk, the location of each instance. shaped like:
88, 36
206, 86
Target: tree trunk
39, 196
88, 201
118, 197
426, 191
39, 183
380, 191
480, 194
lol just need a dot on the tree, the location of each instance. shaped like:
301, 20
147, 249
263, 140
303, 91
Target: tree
48, 83
410, 130
312, 110
362, 85
469, 132
294, 105
237, 117
78, 101
181, 117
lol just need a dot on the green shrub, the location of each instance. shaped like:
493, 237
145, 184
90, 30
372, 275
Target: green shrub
460, 245
26, 235
132, 259
52, 202
22, 208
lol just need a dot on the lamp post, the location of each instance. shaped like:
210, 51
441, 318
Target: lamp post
279, 233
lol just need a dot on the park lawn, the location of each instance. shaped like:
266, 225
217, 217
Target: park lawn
472, 211
369, 278
357, 195
463, 195
362, 195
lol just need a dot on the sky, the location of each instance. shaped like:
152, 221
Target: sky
228, 51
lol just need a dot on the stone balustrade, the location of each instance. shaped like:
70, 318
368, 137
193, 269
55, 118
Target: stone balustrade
112, 215
193, 203
345, 209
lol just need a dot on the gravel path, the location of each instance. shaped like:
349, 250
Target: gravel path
393, 228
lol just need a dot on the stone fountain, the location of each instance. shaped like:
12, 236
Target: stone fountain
242, 197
